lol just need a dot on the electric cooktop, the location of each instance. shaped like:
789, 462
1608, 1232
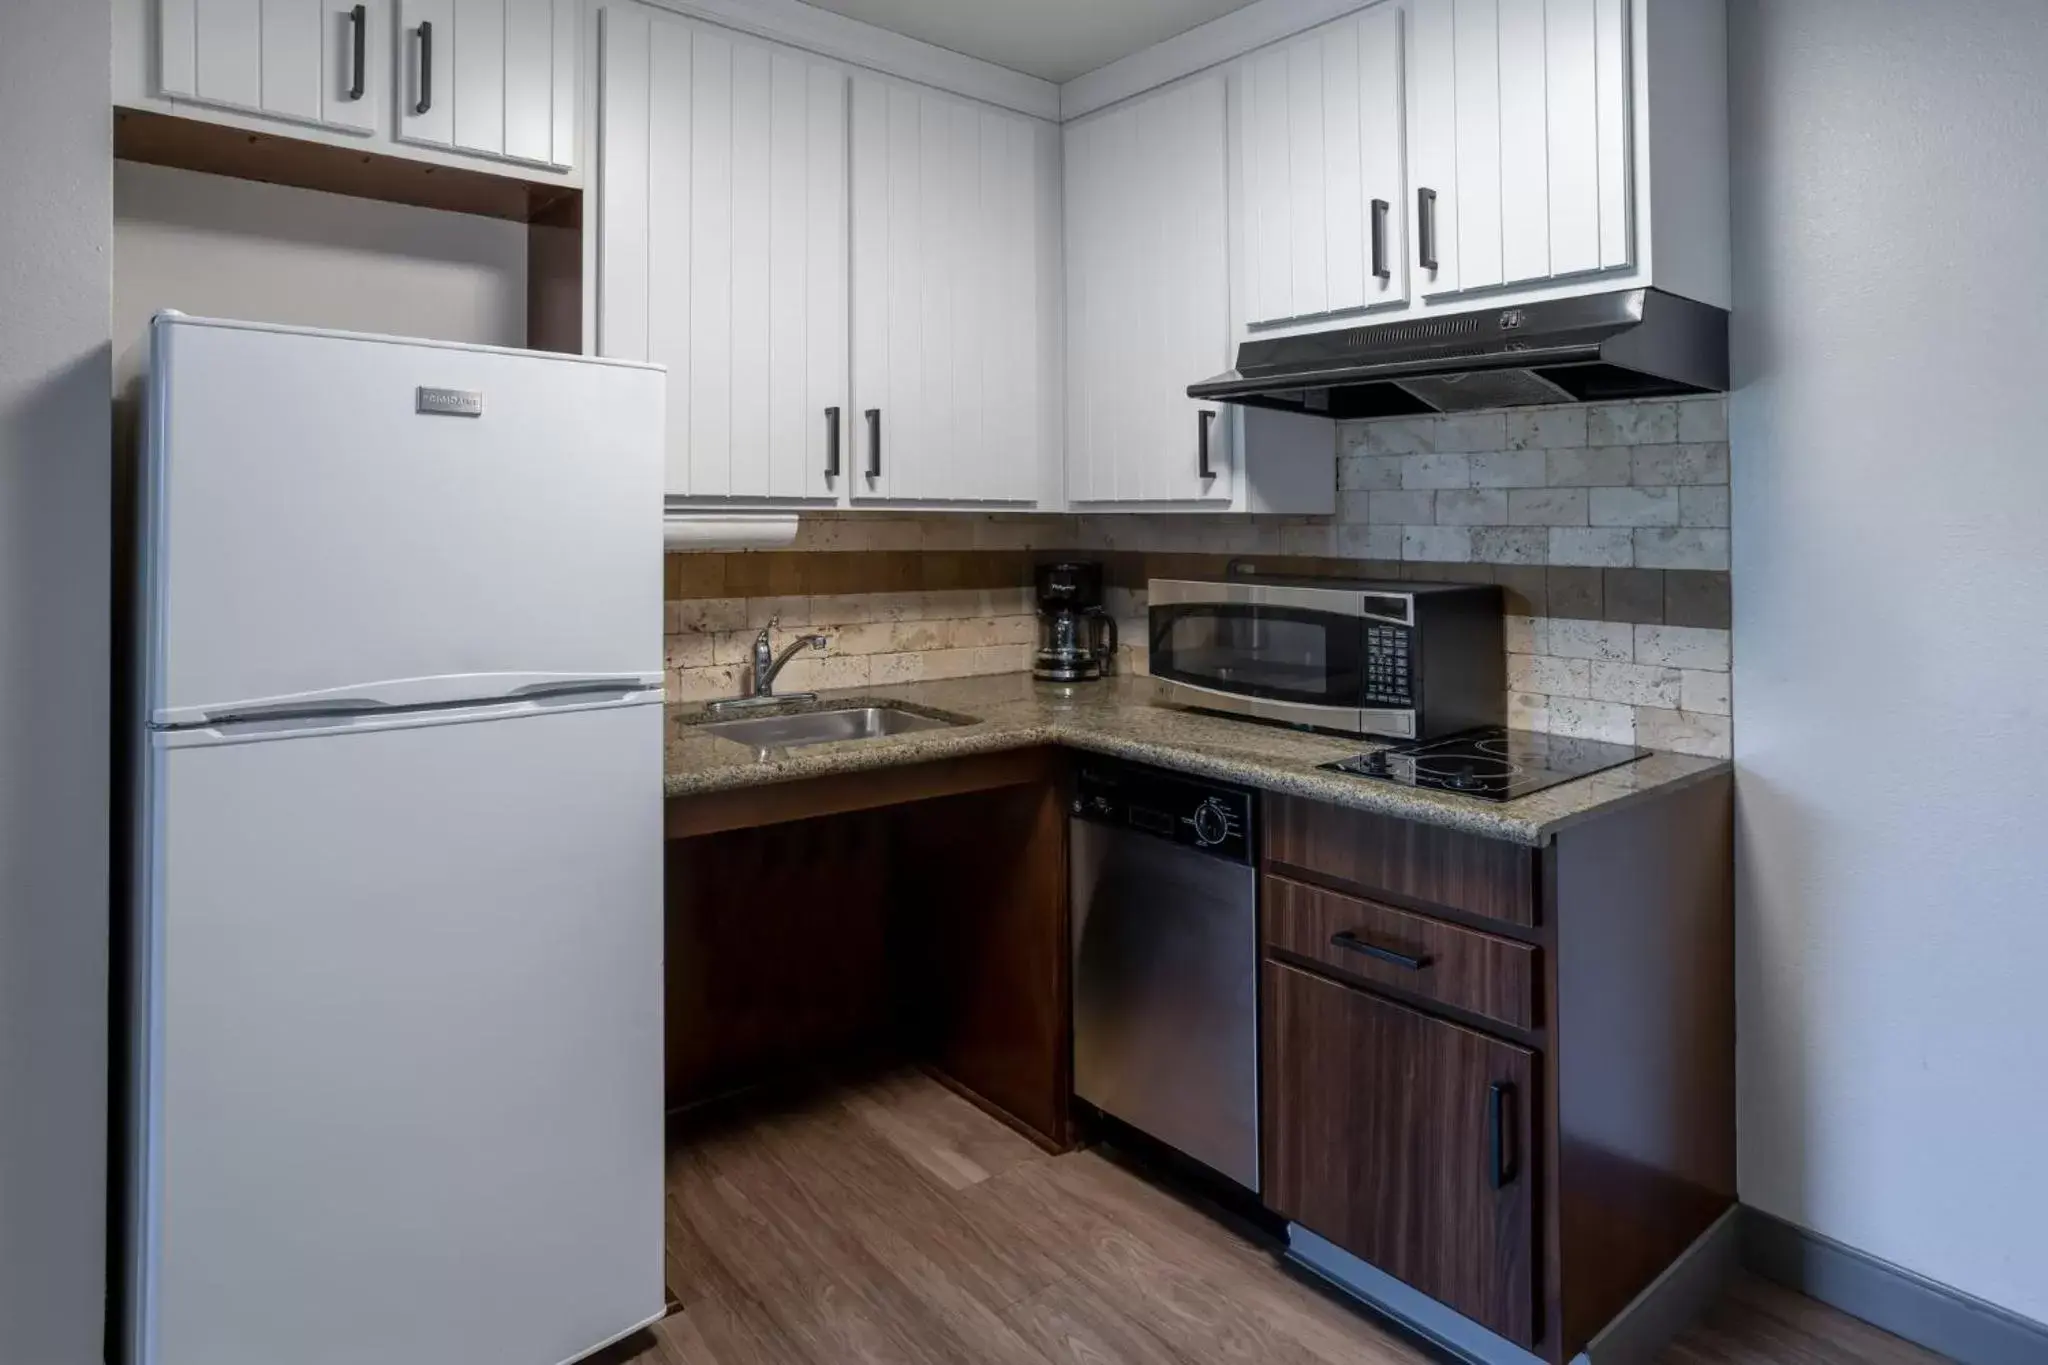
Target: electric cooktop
1493, 763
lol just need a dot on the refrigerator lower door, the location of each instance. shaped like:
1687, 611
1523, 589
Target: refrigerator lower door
402, 1054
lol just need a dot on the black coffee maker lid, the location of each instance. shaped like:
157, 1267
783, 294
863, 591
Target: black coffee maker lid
1071, 584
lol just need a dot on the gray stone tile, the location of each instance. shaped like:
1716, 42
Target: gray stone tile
1633, 507
1662, 466
1606, 547
1685, 732
1705, 691
1634, 595
1703, 506
1470, 431
1511, 545
1574, 593
1697, 598
1447, 544
1546, 428
1547, 507
1510, 469
1605, 641
1367, 542
1473, 507
1703, 419
1369, 471
1437, 471
1632, 424
1682, 647
1596, 467
1636, 684
1522, 584
1400, 435
1678, 547
1404, 508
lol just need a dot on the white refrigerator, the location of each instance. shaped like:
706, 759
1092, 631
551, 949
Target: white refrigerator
398, 958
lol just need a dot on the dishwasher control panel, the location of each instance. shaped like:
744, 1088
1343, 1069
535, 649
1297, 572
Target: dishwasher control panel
1191, 812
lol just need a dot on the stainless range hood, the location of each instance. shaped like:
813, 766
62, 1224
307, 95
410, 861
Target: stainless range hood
1631, 343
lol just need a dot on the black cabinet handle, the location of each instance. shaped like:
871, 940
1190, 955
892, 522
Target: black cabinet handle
426, 67
832, 443
1352, 943
1501, 1111
359, 30
874, 416
1204, 419
1380, 268
1425, 227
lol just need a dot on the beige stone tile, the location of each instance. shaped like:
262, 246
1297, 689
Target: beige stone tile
1472, 507
896, 606
1703, 419
1636, 684
1605, 547
1703, 506
1400, 435
998, 659
869, 637
1437, 544
949, 663
1437, 471
953, 531
1546, 428
1601, 720
1597, 467
1682, 647
690, 650
1685, 732
1528, 712
1510, 469
908, 637
1632, 424
1607, 641
789, 612
702, 684
895, 668
1660, 466
1401, 509
732, 646
1470, 431
978, 632
1547, 507
1680, 548
842, 609
1527, 635
1550, 676
1510, 545
822, 672
1017, 601
1633, 506
1705, 691
951, 604
708, 615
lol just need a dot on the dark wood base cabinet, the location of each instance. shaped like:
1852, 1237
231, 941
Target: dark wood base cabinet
1503, 1076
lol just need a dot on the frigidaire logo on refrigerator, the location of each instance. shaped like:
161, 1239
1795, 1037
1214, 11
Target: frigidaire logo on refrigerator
450, 402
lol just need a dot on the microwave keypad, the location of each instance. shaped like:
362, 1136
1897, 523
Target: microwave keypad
1386, 666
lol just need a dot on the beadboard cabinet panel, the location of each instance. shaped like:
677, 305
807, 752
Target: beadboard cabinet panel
721, 220
313, 62
949, 282
1324, 171
494, 78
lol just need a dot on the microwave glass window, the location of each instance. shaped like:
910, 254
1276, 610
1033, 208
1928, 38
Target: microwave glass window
1280, 654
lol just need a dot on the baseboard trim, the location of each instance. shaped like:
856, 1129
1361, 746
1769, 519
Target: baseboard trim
1923, 1311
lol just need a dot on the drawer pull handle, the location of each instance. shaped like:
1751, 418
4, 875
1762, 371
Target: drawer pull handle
1352, 943
1500, 1111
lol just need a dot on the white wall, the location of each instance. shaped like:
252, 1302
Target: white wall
220, 247
55, 496
1891, 627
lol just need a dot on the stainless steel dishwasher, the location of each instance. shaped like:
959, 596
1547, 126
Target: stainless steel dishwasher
1166, 960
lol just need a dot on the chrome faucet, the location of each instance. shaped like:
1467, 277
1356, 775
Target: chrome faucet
767, 663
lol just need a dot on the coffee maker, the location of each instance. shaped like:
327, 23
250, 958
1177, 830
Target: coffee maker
1076, 637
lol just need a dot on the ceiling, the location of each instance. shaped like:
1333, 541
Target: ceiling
1055, 40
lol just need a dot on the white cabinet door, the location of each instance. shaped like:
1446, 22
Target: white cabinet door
1324, 183
952, 268
493, 77
1521, 142
722, 249
305, 61
1148, 298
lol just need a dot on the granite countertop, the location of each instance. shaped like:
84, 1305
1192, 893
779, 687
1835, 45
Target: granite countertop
1124, 718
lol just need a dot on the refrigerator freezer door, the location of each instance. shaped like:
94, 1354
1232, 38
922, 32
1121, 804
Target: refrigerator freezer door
326, 526
403, 1084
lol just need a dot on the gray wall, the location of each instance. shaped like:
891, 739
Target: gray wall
218, 247
1890, 490
55, 496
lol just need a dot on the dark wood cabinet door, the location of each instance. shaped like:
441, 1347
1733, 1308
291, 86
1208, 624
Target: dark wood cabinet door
1405, 1140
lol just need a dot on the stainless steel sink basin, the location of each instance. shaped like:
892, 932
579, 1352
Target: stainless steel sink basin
769, 734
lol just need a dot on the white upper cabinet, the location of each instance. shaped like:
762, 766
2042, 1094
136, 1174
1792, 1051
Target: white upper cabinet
1325, 193
494, 78
1524, 142
955, 264
314, 62
722, 250
1148, 298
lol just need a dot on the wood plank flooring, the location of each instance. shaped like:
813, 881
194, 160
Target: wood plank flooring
892, 1223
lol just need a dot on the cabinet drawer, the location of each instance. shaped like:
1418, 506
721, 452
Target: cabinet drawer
1406, 1141
1403, 858
1471, 970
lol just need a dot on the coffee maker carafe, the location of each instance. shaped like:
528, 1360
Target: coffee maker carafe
1076, 637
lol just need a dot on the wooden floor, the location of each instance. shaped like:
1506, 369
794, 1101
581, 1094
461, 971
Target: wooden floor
893, 1223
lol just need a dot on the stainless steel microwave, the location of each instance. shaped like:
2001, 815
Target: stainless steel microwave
1407, 660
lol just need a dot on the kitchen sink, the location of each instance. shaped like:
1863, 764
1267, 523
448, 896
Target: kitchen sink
768, 734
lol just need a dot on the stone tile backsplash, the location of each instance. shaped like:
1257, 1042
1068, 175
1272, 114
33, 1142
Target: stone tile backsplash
1607, 526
